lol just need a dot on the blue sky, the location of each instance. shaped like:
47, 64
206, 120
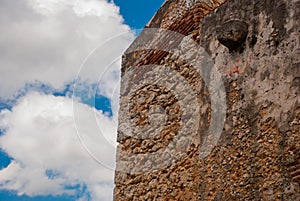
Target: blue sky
138, 13
49, 48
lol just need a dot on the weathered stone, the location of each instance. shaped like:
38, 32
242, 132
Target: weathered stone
257, 155
233, 34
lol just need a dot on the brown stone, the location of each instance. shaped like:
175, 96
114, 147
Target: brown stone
254, 46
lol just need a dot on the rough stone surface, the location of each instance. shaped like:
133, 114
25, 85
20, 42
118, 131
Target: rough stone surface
233, 34
257, 156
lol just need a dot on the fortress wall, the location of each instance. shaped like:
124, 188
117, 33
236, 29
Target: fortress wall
210, 109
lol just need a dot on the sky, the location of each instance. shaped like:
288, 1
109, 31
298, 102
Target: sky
59, 87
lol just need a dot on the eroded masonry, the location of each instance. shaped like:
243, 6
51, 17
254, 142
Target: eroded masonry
210, 105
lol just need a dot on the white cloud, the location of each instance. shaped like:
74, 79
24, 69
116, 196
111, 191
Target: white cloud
40, 135
99, 8
47, 41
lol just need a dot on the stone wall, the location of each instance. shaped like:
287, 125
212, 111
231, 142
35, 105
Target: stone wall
210, 105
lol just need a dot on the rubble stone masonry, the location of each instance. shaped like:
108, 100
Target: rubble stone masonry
210, 108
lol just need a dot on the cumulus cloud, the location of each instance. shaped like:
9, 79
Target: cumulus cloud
48, 40
59, 146
48, 158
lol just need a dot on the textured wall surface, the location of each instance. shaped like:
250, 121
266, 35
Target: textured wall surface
210, 110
